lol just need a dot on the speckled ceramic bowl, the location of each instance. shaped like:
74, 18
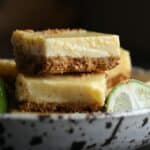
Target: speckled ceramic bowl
116, 131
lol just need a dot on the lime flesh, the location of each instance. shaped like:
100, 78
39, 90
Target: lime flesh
128, 96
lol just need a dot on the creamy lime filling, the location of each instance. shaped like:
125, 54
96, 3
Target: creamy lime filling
83, 46
87, 89
124, 68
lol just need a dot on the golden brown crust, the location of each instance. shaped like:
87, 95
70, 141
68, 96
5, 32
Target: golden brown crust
117, 79
84, 64
54, 31
31, 64
57, 107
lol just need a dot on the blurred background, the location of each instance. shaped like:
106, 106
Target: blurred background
129, 19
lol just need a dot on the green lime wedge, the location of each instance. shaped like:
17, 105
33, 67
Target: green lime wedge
128, 96
3, 98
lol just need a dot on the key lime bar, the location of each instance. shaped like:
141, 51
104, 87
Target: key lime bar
67, 93
8, 69
65, 51
122, 71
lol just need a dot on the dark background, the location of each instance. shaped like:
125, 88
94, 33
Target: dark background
128, 18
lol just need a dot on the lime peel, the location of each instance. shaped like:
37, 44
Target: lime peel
3, 97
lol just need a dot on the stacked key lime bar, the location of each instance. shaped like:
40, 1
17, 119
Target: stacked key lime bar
66, 70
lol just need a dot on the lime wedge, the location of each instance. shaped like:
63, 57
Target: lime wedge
128, 96
3, 98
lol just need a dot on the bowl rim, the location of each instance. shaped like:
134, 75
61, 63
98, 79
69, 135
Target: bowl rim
74, 116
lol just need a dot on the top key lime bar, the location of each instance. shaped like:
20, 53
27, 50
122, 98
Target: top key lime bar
65, 51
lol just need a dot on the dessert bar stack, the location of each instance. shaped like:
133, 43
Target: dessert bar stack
67, 70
